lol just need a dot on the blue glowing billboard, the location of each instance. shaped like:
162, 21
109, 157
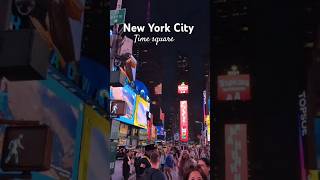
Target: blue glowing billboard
160, 130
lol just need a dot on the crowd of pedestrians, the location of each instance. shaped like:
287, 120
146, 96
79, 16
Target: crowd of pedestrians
159, 163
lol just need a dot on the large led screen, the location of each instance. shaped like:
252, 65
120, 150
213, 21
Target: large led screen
142, 107
51, 104
95, 151
160, 130
125, 94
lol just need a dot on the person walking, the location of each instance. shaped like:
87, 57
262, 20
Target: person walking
162, 159
144, 162
136, 161
126, 165
169, 164
185, 163
154, 173
204, 164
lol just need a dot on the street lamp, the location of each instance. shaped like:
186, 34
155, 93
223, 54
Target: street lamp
199, 122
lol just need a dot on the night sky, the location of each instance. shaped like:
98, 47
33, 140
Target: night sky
194, 46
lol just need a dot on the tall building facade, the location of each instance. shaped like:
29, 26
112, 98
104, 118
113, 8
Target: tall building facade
95, 33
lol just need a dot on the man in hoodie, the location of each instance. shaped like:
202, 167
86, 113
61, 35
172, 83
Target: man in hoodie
154, 173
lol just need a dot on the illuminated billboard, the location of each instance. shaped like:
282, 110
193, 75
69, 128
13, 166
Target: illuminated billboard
127, 95
208, 126
183, 88
160, 130
234, 87
236, 165
184, 121
142, 107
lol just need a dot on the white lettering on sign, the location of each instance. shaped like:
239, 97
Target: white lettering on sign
129, 28
303, 113
232, 83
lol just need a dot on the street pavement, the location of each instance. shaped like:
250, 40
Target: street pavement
117, 175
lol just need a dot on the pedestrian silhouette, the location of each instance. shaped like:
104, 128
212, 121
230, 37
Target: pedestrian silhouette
13, 149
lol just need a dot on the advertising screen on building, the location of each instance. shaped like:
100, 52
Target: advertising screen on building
127, 95
160, 130
208, 126
184, 131
153, 133
143, 134
234, 87
183, 88
142, 107
236, 165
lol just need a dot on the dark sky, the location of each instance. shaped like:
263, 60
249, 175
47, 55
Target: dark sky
194, 46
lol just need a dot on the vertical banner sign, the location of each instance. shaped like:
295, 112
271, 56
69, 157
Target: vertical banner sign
303, 131
184, 121
234, 87
208, 127
236, 165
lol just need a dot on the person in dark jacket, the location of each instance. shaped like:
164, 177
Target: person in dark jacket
126, 166
154, 173
144, 162
137, 163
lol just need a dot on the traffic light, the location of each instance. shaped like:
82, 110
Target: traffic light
27, 148
118, 108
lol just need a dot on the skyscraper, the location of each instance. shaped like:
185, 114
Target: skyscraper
95, 33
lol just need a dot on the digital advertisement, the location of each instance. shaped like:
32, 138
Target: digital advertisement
142, 107
108, 89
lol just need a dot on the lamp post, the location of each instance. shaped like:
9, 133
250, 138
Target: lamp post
199, 122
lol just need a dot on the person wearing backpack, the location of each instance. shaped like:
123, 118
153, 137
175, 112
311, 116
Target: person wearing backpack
154, 173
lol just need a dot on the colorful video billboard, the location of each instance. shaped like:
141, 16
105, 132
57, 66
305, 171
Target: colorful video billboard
160, 130
208, 126
95, 152
140, 118
128, 95
184, 131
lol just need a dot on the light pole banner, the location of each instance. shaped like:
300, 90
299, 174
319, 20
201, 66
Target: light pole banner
236, 165
184, 131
